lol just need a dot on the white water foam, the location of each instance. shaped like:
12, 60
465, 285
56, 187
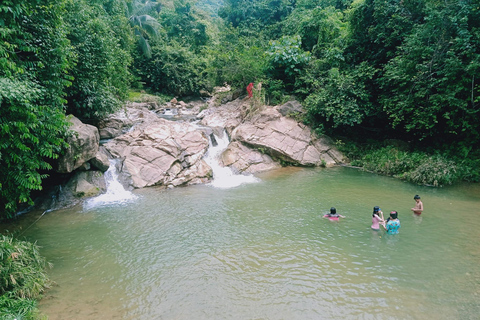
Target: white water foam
224, 177
116, 193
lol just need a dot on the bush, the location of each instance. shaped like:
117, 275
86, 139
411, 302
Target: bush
436, 171
174, 69
23, 278
417, 167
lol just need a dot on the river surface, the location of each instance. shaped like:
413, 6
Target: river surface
263, 251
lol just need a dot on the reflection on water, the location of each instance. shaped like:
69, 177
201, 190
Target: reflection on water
263, 251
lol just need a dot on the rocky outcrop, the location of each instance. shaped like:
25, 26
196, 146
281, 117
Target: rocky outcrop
83, 146
162, 152
123, 120
155, 151
244, 159
286, 139
227, 116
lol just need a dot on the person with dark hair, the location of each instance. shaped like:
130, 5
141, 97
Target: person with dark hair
418, 209
333, 215
393, 224
377, 219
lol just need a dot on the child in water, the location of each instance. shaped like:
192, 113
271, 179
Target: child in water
333, 215
377, 219
418, 209
393, 223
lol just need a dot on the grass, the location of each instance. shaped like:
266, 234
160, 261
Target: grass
23, 278
142, 96
414, 166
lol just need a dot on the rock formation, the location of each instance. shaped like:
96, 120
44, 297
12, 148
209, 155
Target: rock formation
286, 139
162, 152
83, 146
155, 151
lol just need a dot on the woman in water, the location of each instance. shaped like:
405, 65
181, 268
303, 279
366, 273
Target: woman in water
333, 215
393, 223
377, 219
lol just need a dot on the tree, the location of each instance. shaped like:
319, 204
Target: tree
143, 24
34, 60
186, 24
255, 15
173, 69
101, 75
431, 87
237, 60
287, 58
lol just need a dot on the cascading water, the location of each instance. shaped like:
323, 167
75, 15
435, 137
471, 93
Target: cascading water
116, 193
224, 177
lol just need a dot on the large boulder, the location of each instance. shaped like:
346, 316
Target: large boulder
244, 159
83, 146
286, 139
162, 152
100, 161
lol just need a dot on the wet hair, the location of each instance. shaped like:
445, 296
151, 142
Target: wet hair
416, 197
375, 210
394, 214
333, 210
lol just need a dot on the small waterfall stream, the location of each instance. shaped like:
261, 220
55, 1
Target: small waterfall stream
115, 194
224, 177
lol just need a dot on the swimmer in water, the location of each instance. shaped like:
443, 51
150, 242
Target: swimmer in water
333, 215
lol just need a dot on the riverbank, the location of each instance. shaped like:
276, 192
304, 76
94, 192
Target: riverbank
23, 279
394, 158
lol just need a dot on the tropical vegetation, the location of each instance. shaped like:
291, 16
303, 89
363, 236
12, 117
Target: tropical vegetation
395, 82
365, 70
23, 279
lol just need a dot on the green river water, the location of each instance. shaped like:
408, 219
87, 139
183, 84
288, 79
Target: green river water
263, 251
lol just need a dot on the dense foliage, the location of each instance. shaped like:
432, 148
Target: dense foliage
34, 60
101, 46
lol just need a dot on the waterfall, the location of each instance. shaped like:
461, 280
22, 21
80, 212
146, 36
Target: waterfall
224, 177
116, 193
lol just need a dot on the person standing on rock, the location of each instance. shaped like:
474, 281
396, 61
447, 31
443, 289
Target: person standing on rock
250, 89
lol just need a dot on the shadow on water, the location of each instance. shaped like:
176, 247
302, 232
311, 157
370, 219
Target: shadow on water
263, 251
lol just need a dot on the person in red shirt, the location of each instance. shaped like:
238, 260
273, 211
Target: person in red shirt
250, 89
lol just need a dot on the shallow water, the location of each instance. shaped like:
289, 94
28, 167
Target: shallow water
263, 251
